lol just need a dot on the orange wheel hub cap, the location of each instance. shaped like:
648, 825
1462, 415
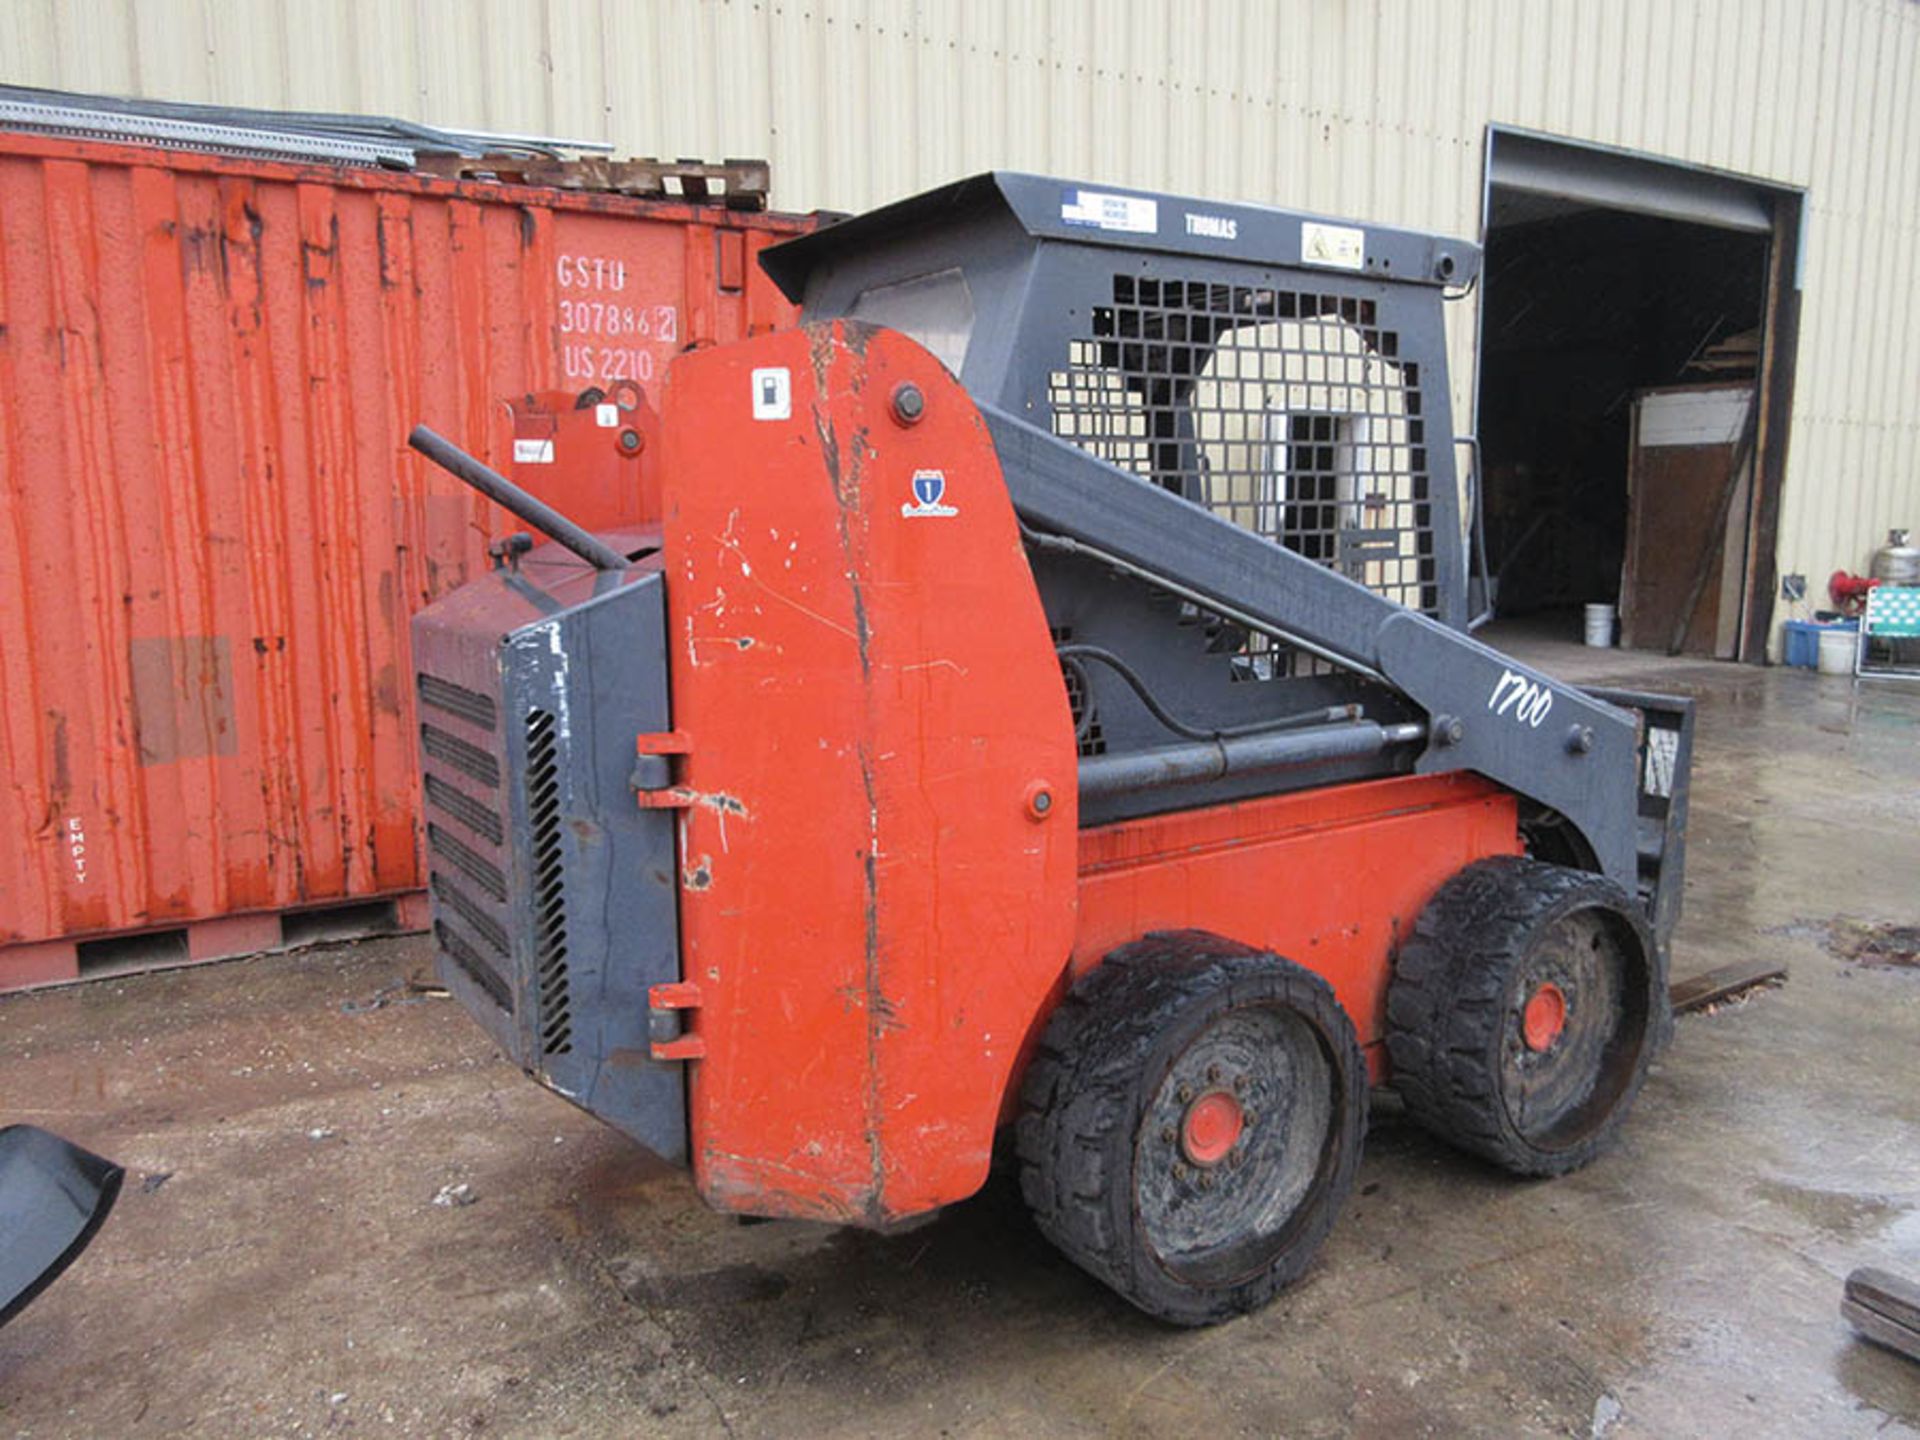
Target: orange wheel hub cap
1212, 1128
1544, 1018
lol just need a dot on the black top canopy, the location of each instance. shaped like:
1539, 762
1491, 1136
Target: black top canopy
1052, 209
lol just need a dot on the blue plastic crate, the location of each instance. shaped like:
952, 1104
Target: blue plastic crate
1800, 643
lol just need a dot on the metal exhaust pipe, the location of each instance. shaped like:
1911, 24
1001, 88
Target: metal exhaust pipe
504, 493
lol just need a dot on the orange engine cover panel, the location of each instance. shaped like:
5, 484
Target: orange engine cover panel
874, 908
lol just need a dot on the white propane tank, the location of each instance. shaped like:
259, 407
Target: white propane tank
1897, 562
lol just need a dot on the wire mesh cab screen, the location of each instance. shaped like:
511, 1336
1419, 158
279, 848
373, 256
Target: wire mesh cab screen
1288, 412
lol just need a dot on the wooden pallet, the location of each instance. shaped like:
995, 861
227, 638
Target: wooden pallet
736, 184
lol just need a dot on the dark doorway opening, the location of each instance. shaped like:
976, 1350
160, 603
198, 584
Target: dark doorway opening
1626, 387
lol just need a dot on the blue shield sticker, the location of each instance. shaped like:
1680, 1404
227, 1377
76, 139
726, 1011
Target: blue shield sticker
929, 488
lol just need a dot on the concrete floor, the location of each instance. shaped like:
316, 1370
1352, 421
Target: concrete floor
278, 1266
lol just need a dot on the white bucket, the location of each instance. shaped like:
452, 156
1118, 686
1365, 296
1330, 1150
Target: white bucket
1600, 626
1836, 651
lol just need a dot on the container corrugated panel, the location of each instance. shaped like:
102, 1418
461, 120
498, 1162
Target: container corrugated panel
212, 534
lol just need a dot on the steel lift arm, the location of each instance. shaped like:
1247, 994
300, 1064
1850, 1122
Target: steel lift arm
1544, 739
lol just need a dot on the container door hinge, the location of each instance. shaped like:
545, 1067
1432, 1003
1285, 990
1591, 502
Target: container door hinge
666, 1021
652, 777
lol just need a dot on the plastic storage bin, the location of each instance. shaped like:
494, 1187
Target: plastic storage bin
1800, 640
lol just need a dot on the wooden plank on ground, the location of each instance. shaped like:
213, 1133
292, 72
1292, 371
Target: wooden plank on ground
1882, 1331
1719, 983
1897, 1299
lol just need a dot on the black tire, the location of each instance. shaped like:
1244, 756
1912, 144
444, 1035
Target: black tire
1477, 1052
1168, 1032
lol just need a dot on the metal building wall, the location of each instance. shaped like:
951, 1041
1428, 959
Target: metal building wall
1369, 108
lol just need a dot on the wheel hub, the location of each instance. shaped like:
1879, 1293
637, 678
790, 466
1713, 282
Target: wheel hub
1544, 1017
1211, 1127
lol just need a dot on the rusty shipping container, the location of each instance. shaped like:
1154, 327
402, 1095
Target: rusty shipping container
212, 533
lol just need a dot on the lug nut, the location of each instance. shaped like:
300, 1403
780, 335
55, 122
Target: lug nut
1179, 1171
1239, 1084
1168, 1135
1206, 1181
1186, 1094
1213, 1074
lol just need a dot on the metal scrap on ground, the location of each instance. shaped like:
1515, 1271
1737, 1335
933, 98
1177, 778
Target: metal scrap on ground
1875, 942
409, 991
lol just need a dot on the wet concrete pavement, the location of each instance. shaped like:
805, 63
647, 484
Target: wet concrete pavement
278, 1264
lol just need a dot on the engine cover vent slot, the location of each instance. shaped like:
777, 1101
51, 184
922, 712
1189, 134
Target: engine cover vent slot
460, 806
444, 845
489, 929
470, 760
549, 885
473, 965
469, 705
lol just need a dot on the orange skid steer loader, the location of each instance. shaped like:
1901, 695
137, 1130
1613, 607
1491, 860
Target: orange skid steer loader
1046, 700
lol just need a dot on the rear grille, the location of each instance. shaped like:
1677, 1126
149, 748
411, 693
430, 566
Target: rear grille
466, 837
549, 885
469, 705
490, 931
468, 861
472, 965
468, 811
1289, 413
469, 760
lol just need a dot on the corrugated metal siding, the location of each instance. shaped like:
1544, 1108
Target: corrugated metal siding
1376, 110
211, 532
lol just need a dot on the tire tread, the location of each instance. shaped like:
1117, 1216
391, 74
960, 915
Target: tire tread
1445, 1010
1080, 1102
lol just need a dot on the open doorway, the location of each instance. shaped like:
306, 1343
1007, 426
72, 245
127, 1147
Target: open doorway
1627, 316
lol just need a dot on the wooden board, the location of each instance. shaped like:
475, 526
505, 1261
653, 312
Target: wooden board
1676, 479
1897, 1299
1719, 983
1877, 1328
